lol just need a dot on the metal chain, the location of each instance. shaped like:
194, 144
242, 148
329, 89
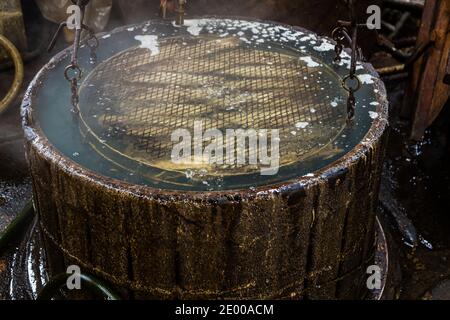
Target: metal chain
75, 99
93, 43
351, 102
339, 35
73, 72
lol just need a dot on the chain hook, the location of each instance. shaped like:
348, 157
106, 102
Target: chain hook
339, 35
73, 72
351, 101
93, 43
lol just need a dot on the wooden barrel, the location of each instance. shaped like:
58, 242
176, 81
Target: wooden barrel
310, 237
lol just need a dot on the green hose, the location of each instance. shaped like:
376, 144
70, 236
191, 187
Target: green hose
17, 226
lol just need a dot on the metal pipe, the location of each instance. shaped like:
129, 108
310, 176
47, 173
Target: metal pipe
405, 42
399, 25
181, 12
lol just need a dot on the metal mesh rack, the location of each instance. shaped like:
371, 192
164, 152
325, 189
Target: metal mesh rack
138, 98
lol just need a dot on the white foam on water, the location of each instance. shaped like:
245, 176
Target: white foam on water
373, 115
301, 125
194, 26
365, 78
324, 46
335, 102
149, 42
310, 62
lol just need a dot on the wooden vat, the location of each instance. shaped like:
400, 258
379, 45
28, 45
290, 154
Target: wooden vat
310, 236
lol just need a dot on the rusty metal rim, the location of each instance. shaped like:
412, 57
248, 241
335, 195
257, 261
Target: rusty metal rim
35, 136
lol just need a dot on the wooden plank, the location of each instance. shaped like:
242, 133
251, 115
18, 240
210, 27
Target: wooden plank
442, 90
431, 100
426, 26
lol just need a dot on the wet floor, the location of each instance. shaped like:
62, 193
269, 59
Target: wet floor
15, 184
414, 194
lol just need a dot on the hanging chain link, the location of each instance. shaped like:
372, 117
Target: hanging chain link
73, 72
93, 43
351, 83
339, 37
75, 99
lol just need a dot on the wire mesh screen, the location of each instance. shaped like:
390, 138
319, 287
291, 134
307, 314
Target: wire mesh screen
137, 98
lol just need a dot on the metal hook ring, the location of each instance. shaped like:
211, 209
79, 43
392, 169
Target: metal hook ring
93, 42
336, 32
348, 88
76, 76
